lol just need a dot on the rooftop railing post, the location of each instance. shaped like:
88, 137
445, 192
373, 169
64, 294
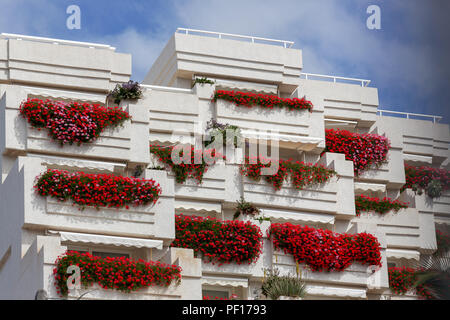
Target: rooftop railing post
221, 34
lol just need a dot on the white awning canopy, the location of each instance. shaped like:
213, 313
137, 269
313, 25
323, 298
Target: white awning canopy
162, 138
417, 158
402, 254
70, 163
301, 143
315, 290
109, 240
198, 206
305, 217
375, 187
340, 124
225, 281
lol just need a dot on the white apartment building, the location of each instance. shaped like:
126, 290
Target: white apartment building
35, 230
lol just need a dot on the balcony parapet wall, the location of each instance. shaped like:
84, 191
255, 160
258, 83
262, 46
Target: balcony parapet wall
150, 221
123, 143
63, 66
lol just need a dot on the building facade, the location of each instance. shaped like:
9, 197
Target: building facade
35, 230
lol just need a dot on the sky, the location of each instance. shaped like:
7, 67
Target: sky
407, 59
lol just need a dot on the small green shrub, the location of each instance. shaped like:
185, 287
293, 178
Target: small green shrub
275, 286
434, 189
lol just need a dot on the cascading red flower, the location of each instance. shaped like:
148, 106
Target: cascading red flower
364, 150
442, 241
420, 177
402, 279
301, 174
98, 190
218, 241
365, 203
323, 249
195, 169
249, 99
120, 273
71, 122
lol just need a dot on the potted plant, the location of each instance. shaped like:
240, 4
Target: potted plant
214, 128
128, 90
286, 287
244, 207
434, 188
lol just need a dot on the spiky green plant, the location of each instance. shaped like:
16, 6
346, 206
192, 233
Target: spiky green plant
434, 270
275, 286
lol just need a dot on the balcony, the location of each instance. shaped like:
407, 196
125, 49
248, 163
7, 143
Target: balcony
245, 271
349, 100
353, 283
61, 63
297, 129
438, 207
198, 52
207, 196
46, 213
424, 142
313, 204
392, 173
34, 271
118, 144
407, 232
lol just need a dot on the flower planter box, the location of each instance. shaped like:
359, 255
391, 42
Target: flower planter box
95, 292
391, 173
329, 198
355, 275
321, 198
293, 124
19, 137
149, 221
253, 270
112, 144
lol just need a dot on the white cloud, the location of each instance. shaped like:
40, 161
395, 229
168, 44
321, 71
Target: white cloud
39, 17
332, 35
144, 47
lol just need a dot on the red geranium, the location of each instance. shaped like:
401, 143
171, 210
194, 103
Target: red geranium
249, 99
418, 178
301, 174
365, 203
323, 249
401, 280
98, 190
219, 241
364, 150
71, 122
195, 169
123, 274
